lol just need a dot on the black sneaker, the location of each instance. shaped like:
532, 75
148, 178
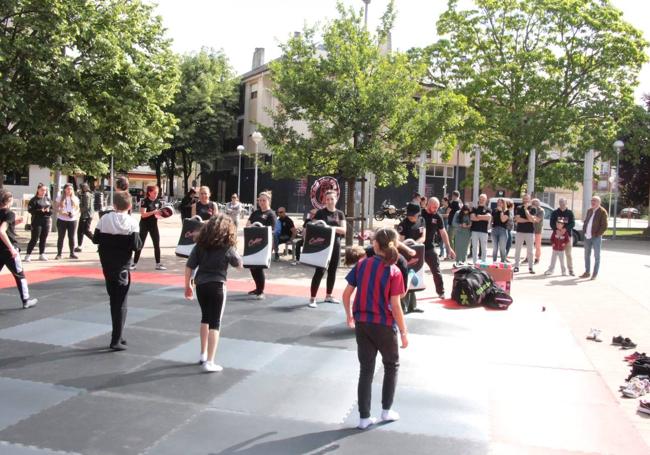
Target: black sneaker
618, 340
515, 270
253, 292
29, 303
628, 344
531, 271
73, 256
118, 347
78, 249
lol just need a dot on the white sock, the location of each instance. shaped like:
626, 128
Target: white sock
204, 357
365, 423
388, 415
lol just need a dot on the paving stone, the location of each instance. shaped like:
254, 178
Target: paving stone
141, 341
55, 331
16, 351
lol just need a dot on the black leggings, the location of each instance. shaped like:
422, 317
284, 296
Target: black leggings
370, 339
84, 229
40, 230
331, 272
146, 228
260, 279
15, 266
212, 299
63, 226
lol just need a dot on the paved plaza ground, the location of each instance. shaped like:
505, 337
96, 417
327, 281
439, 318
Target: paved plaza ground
472, 381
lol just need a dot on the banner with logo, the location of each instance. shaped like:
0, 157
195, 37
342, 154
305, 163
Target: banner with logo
191, 227
320, 187
258, 246
318, 244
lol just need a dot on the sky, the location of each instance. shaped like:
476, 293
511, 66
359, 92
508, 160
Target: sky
238, 28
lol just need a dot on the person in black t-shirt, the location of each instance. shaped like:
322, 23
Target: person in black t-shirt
187, 203
285, 231
336, 219
412, 227
433, 224
500, 218
40, 207
9, 253
266, 217
525, 218
204, 207
481, 217
149, 213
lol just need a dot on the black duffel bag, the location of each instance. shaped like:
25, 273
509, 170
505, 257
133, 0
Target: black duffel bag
471, 286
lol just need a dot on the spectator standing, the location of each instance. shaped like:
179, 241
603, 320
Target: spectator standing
595, 225
187, 203
443, 211
510, 224
463, 223
538, 227
481, 218
375, 318
564, 212
285, 231
500, 218
525, 217
234, 208
560, 238
433, 225
454, 206
40, 208
66, 220
86, 213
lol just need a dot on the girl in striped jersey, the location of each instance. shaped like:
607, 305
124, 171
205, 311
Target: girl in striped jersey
375, 315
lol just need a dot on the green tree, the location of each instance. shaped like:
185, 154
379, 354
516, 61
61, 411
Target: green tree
363, 108
205, 107
81, 80
551, 75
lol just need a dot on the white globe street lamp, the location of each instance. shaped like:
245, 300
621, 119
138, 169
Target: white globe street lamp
618, 146
257, 137
240, 149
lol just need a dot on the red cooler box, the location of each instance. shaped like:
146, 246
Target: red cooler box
500, 272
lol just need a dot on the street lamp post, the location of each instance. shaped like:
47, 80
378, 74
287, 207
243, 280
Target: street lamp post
257, 137
240, 149
618, 145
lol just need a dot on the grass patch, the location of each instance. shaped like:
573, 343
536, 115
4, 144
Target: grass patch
624, 232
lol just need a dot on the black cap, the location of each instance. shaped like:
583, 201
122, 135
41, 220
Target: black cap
412, 209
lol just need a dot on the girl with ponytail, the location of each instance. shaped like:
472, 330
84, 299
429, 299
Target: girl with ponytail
375, 316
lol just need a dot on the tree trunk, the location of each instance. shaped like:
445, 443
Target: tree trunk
186, 170
2, 178
171, 172
158, 168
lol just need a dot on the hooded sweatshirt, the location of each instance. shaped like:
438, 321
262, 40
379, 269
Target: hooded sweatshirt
118, 236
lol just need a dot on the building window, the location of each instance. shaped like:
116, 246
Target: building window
548, 198
253, 91
18, 177
440, 171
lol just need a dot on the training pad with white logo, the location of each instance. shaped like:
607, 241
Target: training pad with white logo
416, 264
258, 246
318, 244
191, 227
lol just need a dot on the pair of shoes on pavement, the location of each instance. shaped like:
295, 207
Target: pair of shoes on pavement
634, 357
636, 387
594, 335
211, 367
624, 343
328, 299
387, 415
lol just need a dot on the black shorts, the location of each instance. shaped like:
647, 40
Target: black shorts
212, 299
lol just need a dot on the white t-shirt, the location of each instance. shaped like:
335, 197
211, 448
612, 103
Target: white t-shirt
70, 205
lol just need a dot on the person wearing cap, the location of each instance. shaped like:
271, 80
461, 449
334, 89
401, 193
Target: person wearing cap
412, 227
560, 238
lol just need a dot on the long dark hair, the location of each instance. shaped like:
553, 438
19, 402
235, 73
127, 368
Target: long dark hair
217, 232
386, 239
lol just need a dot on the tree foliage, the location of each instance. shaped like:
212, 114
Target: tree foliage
205, 107
81, 80
634, 173
551, 75
347, 107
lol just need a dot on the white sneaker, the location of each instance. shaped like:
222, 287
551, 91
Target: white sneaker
312, 303
27, 259
548, 272
365, 423
388, 415
211, 367
160, 267
330, 299
259, 297
42, 257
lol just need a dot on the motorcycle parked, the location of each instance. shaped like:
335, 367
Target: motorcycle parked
388, 210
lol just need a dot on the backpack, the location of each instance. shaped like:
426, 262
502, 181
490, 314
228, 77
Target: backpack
497, 298
470, 286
